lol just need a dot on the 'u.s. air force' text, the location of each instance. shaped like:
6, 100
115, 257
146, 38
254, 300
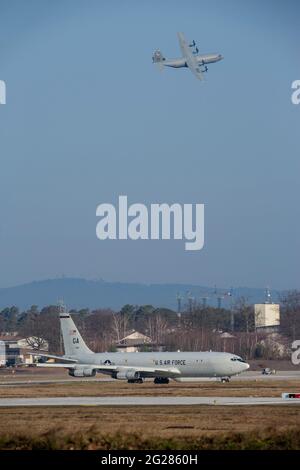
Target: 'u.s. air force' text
167, 362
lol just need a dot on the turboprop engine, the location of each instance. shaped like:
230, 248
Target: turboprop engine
82, 372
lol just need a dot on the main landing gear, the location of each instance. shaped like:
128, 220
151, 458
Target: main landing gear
161, 380
136, 381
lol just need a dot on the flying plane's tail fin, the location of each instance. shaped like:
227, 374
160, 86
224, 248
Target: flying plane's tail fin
72, 339
157, 57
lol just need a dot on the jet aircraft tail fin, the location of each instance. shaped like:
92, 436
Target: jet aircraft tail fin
74, 345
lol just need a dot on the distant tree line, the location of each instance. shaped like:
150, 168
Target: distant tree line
196, 328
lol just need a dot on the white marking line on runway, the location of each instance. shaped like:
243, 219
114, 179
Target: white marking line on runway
145, 401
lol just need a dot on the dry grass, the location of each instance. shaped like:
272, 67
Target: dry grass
261, 388
149, 420
149, 427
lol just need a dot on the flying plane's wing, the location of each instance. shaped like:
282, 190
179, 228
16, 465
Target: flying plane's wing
144, 371
189, 57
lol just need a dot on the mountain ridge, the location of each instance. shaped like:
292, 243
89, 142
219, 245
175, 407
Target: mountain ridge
83, 293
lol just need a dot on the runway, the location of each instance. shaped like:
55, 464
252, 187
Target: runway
247, 376
253, 375
145, 401
12, 383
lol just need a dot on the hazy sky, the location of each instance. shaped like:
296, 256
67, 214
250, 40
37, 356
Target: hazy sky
88, 117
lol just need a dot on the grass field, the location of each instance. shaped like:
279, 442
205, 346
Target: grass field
148, 427
184, 427
262, 388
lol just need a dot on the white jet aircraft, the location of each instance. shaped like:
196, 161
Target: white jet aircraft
197, 63
135, 367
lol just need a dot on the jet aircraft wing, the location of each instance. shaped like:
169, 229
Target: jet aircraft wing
189, 57
109, 368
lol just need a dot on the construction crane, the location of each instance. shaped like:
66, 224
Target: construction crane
226, 295
190, 300
268, 296
205, 298
219, 296
230, 295
222, 295
179, 298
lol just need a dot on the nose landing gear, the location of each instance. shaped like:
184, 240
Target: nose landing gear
225, 380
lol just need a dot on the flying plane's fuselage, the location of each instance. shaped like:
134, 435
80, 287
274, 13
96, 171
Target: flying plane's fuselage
202, 59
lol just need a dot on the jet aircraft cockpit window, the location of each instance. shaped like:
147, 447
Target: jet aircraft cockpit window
237, 359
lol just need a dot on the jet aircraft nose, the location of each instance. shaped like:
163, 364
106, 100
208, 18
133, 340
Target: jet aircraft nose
239, 364
220, 57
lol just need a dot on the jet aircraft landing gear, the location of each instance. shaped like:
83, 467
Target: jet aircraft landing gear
136, 381
161, 380
225, 380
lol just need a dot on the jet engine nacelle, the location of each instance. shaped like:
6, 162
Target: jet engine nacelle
82, 372
129, 374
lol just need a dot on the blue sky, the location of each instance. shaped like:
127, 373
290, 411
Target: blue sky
88, 118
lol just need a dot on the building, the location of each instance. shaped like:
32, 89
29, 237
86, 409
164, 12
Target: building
14, 350
12, 353
135, 342
267, 316
228, 342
